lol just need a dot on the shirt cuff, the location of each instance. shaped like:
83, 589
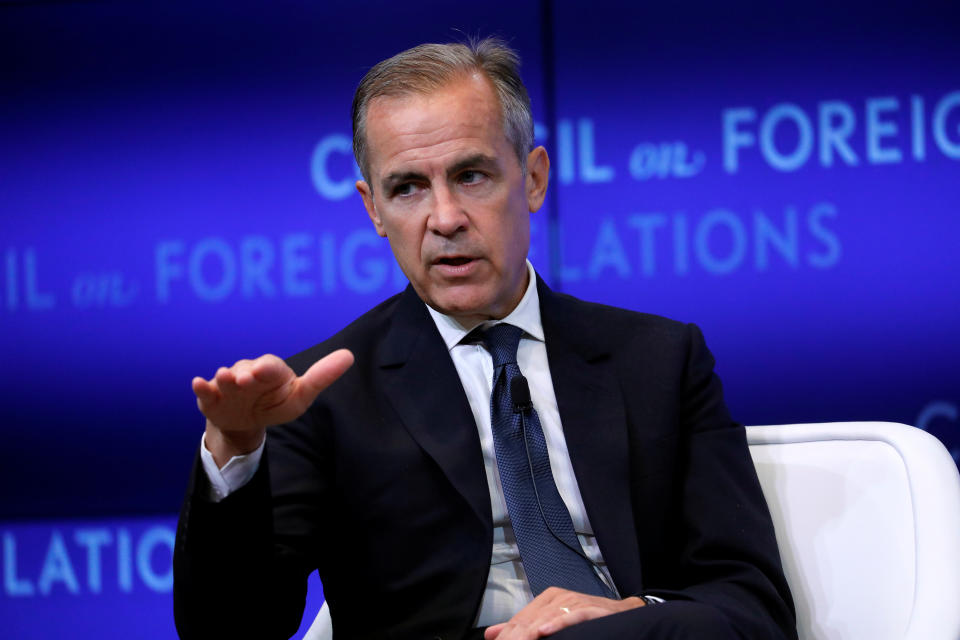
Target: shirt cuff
236, 473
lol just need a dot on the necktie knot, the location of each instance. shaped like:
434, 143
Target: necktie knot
502, 341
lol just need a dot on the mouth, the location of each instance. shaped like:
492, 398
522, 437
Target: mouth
455, 266
453, 261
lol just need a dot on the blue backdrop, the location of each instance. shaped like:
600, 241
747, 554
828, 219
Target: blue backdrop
176, 183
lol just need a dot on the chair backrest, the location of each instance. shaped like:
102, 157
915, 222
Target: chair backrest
322, 627
867, 516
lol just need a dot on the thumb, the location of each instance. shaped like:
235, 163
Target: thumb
324, 372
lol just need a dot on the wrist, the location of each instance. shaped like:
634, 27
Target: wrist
633, 602
224, 445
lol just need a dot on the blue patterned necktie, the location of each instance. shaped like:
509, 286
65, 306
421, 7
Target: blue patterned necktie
549, 549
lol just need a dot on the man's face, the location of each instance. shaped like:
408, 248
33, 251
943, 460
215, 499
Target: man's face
448, 192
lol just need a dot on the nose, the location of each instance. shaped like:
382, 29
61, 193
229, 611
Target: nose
448, 216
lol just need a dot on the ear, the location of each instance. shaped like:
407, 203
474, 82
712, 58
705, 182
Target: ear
367, 194
538, 175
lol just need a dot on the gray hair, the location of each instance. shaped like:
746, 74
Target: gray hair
427, 67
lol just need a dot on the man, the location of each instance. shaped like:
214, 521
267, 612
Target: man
399, 478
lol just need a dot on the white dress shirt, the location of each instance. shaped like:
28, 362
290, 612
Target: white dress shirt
507, 590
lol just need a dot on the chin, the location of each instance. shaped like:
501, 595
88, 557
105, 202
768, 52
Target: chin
458, 306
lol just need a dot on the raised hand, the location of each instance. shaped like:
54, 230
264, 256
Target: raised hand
241, 401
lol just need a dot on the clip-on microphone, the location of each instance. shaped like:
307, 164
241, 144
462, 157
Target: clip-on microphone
520, 392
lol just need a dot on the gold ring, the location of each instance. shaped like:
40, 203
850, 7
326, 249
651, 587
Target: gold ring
565, 610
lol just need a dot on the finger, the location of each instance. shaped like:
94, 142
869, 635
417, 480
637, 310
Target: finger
506, 631
548, 617
270, 371
519, 632
201, 386
226, 381
493, 631
568, 618
324, 372
243, 373
206, 392
571, 616
525, 624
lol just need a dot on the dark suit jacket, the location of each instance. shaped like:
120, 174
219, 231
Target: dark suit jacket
381, 486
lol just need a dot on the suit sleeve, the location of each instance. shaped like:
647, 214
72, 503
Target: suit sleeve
241, 564
713, 556
725, 548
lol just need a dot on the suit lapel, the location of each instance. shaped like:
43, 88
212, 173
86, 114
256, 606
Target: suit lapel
595, 428
424, 389
422, 385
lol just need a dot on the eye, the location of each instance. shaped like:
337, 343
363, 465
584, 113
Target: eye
404, 189
471, 177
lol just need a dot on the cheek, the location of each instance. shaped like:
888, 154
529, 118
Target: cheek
405, 240
520, 234
512, 223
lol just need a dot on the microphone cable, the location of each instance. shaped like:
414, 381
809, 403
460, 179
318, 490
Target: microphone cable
522, 402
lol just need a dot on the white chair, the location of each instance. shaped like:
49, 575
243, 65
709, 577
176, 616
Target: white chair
322, 627
867, 516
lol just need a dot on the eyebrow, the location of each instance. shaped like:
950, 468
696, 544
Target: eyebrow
393, 179
477, 160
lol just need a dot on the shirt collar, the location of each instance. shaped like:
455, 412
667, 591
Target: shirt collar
526, 315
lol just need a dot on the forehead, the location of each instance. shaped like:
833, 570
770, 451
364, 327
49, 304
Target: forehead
462, 115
